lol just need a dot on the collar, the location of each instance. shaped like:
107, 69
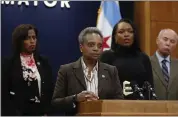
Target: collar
85, 67
161, 58
26, 55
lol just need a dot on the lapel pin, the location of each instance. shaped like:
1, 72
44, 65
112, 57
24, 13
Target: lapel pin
38, 63
103, 76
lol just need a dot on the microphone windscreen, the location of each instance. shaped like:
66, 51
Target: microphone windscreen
133, 83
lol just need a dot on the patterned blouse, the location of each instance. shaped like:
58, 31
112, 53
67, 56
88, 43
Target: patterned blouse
31, 77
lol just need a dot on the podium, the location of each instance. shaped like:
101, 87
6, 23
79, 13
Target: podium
128, 108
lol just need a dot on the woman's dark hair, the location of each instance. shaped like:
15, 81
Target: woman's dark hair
19, 34
135, 44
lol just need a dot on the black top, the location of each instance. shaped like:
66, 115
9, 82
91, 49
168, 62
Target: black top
17, 103
132, 65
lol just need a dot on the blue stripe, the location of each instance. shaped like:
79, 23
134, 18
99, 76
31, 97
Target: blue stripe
165, 68
111, 12
165, 71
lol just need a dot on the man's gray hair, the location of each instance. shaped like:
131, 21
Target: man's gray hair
88, 30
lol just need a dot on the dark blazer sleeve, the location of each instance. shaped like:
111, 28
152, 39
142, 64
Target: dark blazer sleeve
117, 86
8, 108
148, 68
60, 101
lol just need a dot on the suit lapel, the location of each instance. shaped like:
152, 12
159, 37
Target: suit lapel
101, 77
17, 78
39, 66
157, 69
78, 71
173, 72
17, 68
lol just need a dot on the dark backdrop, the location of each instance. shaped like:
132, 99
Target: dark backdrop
58, 27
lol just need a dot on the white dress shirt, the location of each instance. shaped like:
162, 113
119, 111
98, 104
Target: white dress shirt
91, 79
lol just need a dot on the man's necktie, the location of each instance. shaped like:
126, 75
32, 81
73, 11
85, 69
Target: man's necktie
165, 70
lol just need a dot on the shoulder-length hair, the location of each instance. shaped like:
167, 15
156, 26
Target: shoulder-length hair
19, 34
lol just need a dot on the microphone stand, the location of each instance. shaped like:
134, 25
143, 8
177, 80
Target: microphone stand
137, 90
151, 93
139, 93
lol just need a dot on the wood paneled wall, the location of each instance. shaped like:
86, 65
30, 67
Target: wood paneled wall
150, 17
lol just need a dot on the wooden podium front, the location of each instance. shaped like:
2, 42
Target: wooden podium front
128, 107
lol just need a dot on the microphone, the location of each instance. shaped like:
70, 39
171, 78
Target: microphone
151, 91
136, 89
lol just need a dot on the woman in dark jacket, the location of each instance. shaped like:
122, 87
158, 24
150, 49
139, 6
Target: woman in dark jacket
133, 65
27, 85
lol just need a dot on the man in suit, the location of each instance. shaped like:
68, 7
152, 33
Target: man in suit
164, 67
86, 79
